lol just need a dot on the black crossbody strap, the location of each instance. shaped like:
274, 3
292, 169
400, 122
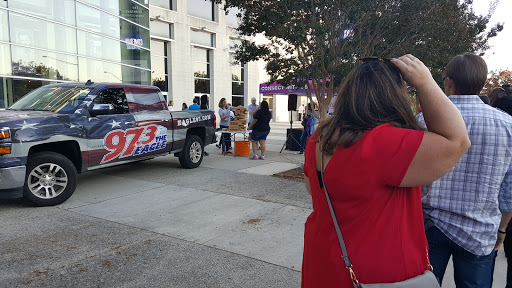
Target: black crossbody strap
340, 237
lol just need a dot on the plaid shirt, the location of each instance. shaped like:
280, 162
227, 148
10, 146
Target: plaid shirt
465, 204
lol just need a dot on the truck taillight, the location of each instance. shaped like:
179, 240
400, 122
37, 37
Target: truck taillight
214, 121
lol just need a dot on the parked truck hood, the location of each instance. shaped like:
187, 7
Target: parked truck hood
11, 115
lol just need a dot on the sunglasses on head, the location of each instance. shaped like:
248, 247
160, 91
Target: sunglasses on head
372, 58
385, 60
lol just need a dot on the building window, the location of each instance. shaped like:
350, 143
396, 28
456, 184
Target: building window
159, 67
58, 10
42, 34
166, 4
110, 25
237, 81
42, 64
201, 8
161, 29
201, 58
202, 38
134, 12
5, 64
4, 27
12, 89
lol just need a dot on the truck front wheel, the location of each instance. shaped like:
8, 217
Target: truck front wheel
51, 179
192, 154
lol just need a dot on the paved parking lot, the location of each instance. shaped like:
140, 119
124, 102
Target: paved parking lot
153, 224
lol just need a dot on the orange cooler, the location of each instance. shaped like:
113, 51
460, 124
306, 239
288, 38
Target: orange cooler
242, 148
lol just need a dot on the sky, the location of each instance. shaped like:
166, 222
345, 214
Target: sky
499, 56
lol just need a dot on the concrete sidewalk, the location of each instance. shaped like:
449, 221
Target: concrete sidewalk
227, 223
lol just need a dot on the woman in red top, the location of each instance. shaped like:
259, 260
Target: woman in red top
375, 157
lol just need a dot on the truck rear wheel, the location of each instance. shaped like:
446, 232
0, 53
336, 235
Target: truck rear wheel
51, 179
192, 154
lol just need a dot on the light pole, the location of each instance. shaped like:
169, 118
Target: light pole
113, 75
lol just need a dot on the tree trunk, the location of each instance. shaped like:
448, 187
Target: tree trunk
323, 97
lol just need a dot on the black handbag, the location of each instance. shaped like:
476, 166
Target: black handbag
425, 280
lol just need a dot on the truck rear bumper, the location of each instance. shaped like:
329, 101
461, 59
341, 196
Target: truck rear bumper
12, 178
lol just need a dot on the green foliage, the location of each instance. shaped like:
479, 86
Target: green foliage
323, 39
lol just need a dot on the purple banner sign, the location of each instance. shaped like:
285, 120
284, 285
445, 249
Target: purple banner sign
275, 88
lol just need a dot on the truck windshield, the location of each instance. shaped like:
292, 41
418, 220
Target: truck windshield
60, 99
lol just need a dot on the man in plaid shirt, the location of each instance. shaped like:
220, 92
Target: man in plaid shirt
467, 211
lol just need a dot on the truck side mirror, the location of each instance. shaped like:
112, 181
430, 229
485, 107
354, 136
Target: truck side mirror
101, 109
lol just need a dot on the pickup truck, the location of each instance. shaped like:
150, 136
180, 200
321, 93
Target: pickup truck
58, 131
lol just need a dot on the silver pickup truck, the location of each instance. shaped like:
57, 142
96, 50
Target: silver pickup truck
60, 130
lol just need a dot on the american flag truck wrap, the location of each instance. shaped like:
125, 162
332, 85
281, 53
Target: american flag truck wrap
58, 131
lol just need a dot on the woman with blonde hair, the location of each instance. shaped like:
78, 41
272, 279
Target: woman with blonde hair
371, 156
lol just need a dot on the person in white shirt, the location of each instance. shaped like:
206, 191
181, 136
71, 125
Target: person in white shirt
301, 112
171, 106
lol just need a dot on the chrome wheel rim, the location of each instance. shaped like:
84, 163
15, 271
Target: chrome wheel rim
47, 180
195, 152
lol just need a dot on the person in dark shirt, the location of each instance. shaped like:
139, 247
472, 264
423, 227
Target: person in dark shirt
501, 99
205, 102
260, 128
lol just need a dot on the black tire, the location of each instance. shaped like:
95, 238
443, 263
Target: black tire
192, 154
50, 180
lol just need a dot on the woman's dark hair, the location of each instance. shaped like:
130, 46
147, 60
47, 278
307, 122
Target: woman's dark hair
184, 106
501, 99
371, 95
311, 106
204, 102
496, 94
264, 108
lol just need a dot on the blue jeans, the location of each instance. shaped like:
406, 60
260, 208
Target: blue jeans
303, 140
469, 270
225, 140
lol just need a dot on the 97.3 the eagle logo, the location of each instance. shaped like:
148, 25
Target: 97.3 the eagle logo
134, 141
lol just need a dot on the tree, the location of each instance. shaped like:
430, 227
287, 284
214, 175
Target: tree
321, 40
496, 79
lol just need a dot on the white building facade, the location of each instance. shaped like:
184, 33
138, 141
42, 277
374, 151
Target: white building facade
192, 54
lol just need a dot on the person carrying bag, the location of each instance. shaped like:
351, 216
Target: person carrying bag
377, 156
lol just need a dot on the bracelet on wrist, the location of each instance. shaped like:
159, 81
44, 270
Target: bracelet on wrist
502, 232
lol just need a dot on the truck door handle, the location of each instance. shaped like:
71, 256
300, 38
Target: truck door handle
129, 123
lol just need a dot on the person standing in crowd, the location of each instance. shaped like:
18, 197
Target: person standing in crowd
225, 138
260, 126
184, 107
314, 115
171, 106
503, 100
195, 106
467, 211
301, 111
252, 109
500, 99
375, 157
308, 124
205, 102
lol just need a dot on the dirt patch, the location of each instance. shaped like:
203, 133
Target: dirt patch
295, 174
252, 221
106, 264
